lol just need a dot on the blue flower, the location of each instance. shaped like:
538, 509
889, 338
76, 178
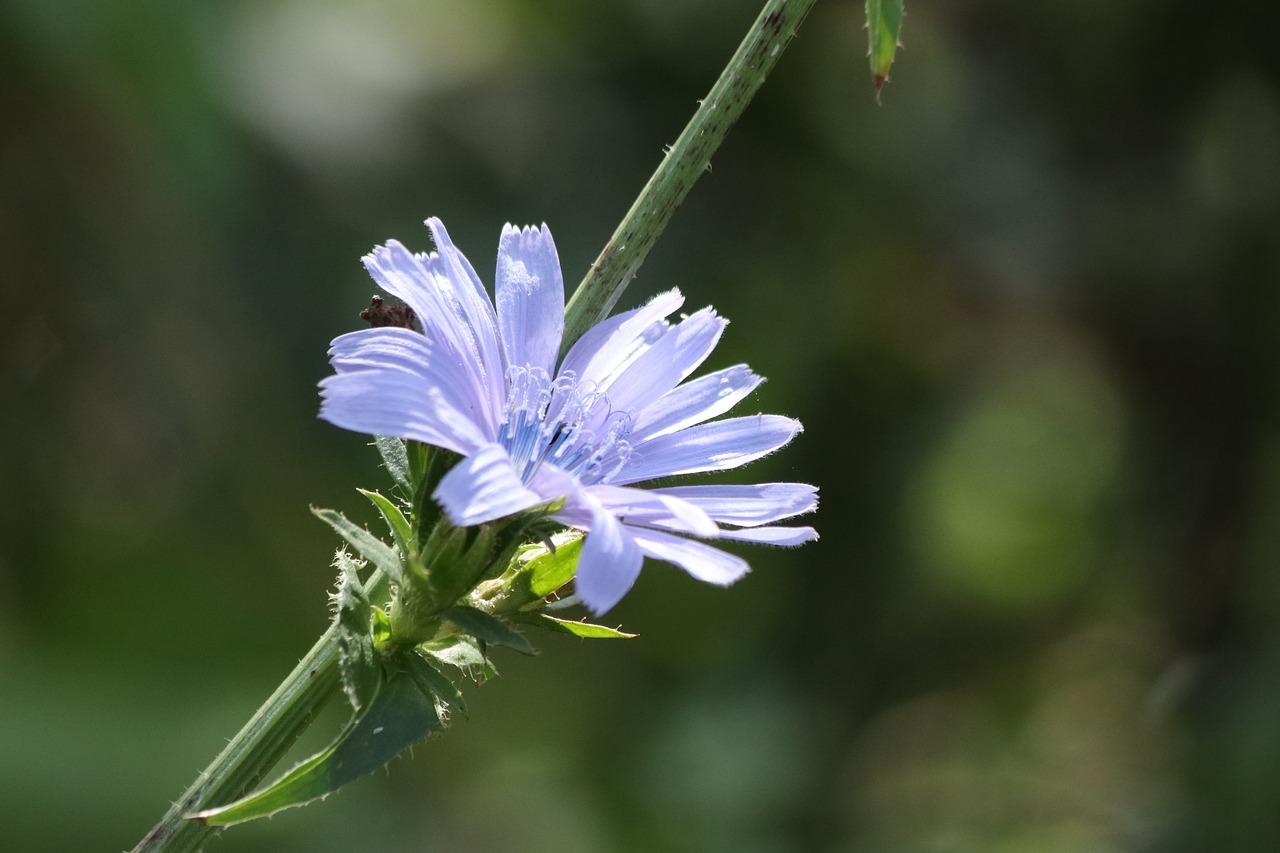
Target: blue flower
575, 433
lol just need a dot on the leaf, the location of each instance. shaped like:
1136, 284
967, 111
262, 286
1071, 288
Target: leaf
462, 652
586, 630
393, 516
884, 25
369, 546
357, 660
487, 629
554, 569
400, 715
434, 682
396, 457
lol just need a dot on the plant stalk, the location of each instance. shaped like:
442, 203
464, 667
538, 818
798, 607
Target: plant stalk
686, 160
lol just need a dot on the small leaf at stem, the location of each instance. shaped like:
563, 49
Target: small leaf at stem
393, 516
462, 652
357, 660
434, 682
884, 25
396, 458
369, 546
400, 715
555, 568
586, 630
486, 628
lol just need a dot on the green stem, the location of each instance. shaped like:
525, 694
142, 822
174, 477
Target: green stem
685, 162
260, 744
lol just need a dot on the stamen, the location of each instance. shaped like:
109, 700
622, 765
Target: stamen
564, 423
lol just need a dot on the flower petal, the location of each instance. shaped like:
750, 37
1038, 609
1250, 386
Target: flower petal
482, 487
609, 563
716, 446
664, 364
427, 285
476, 308
406, 351
610, 345
389, 382
784, 536
694, 402
748, 506
698, 559
653, 509
529, 291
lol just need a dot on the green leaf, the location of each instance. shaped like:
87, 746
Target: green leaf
585, 630
487, 629
434, 682
462, 652
884, 25
357, 660
554, 568
400, 715
393, 516
396, 458
369, 546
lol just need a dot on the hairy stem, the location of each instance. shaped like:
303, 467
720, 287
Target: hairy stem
260, 744
684, 163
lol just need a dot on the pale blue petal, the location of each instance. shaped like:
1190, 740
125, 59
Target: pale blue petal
476, 309
785, 536
693, 402
665, 363
530, 295
700, 560
397, 404
405, 351
483, 487
748, 505
425, 284
609, 563
612, 344
715, 446
653, 509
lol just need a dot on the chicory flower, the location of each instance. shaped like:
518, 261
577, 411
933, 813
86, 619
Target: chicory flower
574, 434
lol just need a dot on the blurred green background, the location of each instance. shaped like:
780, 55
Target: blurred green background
1026, 309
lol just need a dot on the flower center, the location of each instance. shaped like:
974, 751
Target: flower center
565, 423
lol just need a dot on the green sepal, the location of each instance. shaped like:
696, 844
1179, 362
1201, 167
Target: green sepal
884, 25
537, 571
396, 458
394, 517
463, 652
457, 558
586, 630
434, 681
488, 629
353, 615
554, 568
369, 546
400, 715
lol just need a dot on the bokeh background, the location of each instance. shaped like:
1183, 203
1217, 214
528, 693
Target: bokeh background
1026, 309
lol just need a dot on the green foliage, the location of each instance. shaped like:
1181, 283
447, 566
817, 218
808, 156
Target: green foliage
884, 26
399, 526
585, 630
488, 629
396, 459
357, 660
463, 652
401, 712
368, 545
434, 681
